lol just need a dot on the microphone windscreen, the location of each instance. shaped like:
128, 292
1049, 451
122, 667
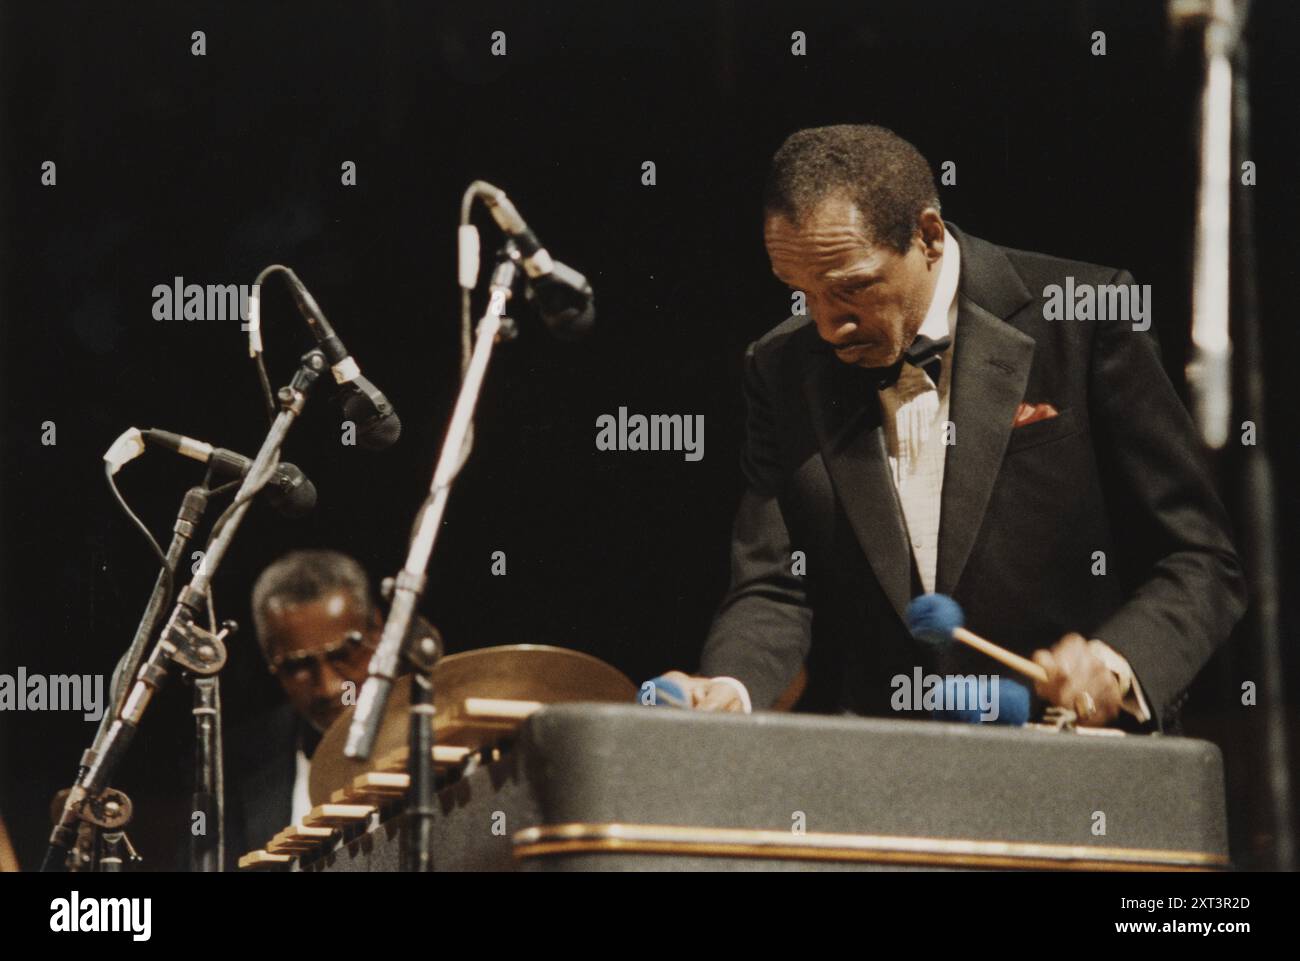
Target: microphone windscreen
565, 301
378, 425
933, 617
572, 324
290, 492
380, 432
981, 699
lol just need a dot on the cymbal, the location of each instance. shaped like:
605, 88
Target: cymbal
480, 696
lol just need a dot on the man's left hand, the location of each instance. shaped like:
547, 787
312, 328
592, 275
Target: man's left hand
1077, 679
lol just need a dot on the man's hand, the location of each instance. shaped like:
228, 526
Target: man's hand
707, 694
1078, 679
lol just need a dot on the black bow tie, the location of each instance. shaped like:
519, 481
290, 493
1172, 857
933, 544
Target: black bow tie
924, 353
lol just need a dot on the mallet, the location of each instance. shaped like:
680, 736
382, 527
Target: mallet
936, 619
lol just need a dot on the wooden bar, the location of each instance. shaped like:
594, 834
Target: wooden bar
262, 859
500, 709
337, 815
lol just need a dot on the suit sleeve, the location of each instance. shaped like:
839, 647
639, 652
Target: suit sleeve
763, 629
1174, 533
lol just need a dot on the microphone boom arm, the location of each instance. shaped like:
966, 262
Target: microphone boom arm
409, 584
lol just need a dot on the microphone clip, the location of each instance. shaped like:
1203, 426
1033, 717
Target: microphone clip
310, 367
194, 648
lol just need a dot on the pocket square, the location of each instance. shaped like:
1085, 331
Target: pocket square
1032, 413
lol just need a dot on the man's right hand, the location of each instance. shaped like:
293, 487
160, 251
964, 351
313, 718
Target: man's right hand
706, 694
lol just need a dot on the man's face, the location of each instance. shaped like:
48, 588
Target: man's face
867, 300
308, 635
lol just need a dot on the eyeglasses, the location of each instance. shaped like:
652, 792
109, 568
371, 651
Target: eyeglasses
339, 652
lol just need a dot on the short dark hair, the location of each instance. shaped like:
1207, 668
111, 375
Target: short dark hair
883, 174
305, 575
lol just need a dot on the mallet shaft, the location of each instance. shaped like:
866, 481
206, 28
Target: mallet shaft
1000, 654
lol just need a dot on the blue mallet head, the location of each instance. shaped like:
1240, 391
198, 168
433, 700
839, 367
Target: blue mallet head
661, 692
981, 699
933, 617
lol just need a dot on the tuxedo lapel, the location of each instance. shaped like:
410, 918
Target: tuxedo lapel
845, 408
991, 362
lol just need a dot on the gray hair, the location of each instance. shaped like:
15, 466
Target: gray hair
305, 575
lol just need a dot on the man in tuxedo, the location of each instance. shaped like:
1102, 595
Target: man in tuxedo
317, 625
927, 426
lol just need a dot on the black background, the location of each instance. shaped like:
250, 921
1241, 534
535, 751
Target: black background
212, 167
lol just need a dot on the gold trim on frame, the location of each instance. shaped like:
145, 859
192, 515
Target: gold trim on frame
614, 838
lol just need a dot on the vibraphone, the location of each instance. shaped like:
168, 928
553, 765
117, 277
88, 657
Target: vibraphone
614, 787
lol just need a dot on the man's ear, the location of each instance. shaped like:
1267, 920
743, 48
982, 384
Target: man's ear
930, 227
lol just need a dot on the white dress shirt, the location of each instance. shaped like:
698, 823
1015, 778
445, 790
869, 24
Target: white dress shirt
301, 804
914, 410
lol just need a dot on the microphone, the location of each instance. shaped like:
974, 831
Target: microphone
563, 296
936, 619
289, 490
378, 425
1209, 369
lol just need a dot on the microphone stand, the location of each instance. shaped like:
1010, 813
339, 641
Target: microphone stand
1209, 370
1258, 497
1225, 143
182, 641
208, 847
409, 585
193, 506
417, 839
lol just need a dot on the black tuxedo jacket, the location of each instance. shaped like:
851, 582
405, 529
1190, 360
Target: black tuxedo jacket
1023, 511
262, 755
